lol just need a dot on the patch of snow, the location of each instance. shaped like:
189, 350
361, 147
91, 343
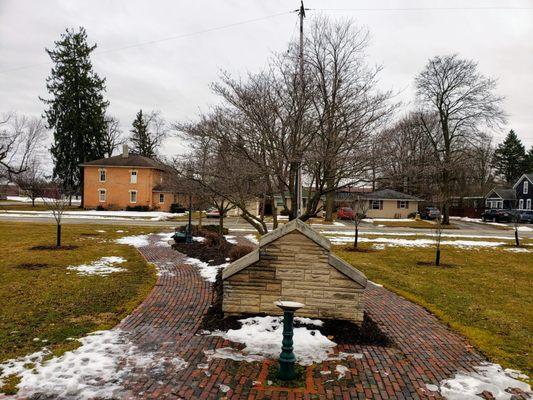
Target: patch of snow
388, 220
397, 242
231, 239
103, 266
525, 229
135, 241
120, 231
252, 238
343, 356
416, 234
165, 237
337, 223
488, 377
100, 231
517, 250
39, 200
431, 387
375, 284
224, 388
94, 214
262, 338
341, 370
208, 272
229, 353
198, 239
96, 369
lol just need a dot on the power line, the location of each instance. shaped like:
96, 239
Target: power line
425, 8
217, 28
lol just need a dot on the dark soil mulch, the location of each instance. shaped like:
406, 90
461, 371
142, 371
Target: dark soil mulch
432, 264
31, 266
69, 247
298, 381
359, 249
215, 255
340, 331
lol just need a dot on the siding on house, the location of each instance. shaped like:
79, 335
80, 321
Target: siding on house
524, 192
391, 209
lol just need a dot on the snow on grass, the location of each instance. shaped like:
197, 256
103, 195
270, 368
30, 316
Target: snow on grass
96, 369
165, 237
198, 239
488, 377
208, 272
135, 241
517, 250
370, 220
231, 239
103, 267
94, 214
400, 242
422, 234
252, 238
525, 229
262, 338
39, 200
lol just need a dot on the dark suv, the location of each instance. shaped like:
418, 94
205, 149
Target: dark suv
494, 215
430, 213
525, 216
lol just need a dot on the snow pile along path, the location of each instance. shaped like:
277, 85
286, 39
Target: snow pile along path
208, 272
135, 241
96, 369
104, 266
263, 335
488, 377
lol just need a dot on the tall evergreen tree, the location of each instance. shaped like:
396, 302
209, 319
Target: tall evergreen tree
147, 134
76, 109
510, 158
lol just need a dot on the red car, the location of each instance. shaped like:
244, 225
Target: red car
345, 213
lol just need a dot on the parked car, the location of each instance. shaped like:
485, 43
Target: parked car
213, 213
345, 213
525, 216
430, 213
496, 215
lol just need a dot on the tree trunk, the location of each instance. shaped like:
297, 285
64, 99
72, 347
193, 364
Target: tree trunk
58, 236
356, 236
274, 212
221, 224
330, 199
200, 214
33, 201
516, 237
437, 257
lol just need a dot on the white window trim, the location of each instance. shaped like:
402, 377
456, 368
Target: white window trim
528, 204
526, 187
402, 204
100, 170
105, 195
378, 202
136, 196
521, 204
136, 176
161, 194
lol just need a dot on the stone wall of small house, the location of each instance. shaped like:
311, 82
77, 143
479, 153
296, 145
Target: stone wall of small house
294, 268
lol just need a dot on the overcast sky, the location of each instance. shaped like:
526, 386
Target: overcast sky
173, 75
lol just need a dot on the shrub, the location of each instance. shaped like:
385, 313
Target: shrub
215, 228
177, 208
137, 208
100, 207
239, 251
212, 239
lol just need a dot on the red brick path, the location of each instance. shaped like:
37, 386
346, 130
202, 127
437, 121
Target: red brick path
167, 322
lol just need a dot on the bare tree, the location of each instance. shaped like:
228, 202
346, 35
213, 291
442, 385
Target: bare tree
32, 181
58, 203
20, 138
113, 136
438, 237
360, 208
456, 103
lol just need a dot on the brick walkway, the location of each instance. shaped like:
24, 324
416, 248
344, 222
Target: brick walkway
167, 322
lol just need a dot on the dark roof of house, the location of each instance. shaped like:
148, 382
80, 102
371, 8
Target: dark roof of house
504, 193
528, 176
389, 194
132, 160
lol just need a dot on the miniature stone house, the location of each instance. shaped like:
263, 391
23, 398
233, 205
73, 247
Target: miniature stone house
294, 263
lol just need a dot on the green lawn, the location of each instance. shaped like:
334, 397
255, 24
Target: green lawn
486, 295
51, 303
420, 224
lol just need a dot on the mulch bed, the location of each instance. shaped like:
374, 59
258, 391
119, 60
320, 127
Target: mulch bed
69, 247
214, 255
31, 266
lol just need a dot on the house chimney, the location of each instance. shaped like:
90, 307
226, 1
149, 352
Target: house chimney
125, 151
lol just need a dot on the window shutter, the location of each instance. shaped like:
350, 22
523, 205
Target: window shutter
398, 204
381, 204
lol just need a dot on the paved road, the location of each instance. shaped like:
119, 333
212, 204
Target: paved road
466, 228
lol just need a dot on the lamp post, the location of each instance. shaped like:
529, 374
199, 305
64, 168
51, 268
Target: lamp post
188, 235
287, 359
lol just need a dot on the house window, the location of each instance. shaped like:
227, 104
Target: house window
403, 204
101, 195
528, 204
521, 204
376, 204
526, 187
133, 196
133, 176
161, 198
101, 175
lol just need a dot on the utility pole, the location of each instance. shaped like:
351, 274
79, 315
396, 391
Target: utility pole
298, 151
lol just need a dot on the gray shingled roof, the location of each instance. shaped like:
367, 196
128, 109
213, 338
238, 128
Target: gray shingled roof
504, 193
389, 194
133, 160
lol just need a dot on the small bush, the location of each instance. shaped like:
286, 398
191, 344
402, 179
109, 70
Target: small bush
215, 228
137, 208
177, 208
212, 239
239, 251
100, 207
